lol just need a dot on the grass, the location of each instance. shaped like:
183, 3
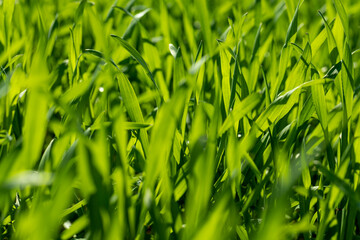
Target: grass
177, 119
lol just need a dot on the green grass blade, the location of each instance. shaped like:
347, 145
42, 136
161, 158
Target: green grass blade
225, 81
136, 55
239, 111
330, 40
343, 16
133, 108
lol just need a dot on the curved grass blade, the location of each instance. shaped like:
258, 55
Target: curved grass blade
240, 110
137, 56
285, 54
134, 21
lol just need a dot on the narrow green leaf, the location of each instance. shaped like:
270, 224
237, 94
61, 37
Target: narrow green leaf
80, 10
46, 156
132, 106
343, 16
285, 53
76, 227
127, 34
136, 55
340, 183
292, 30
225, 81
240, 110
256, 44
318, 96
330, 40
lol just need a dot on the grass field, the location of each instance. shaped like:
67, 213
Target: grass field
180, 119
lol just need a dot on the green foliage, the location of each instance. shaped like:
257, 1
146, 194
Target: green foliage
134, 119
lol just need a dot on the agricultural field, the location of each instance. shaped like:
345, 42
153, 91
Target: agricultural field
180, 119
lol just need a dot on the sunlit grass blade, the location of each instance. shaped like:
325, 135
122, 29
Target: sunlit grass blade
133, 108
240, 110
330, 40
285, 54
343, 16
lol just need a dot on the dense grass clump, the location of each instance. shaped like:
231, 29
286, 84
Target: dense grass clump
179, 119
